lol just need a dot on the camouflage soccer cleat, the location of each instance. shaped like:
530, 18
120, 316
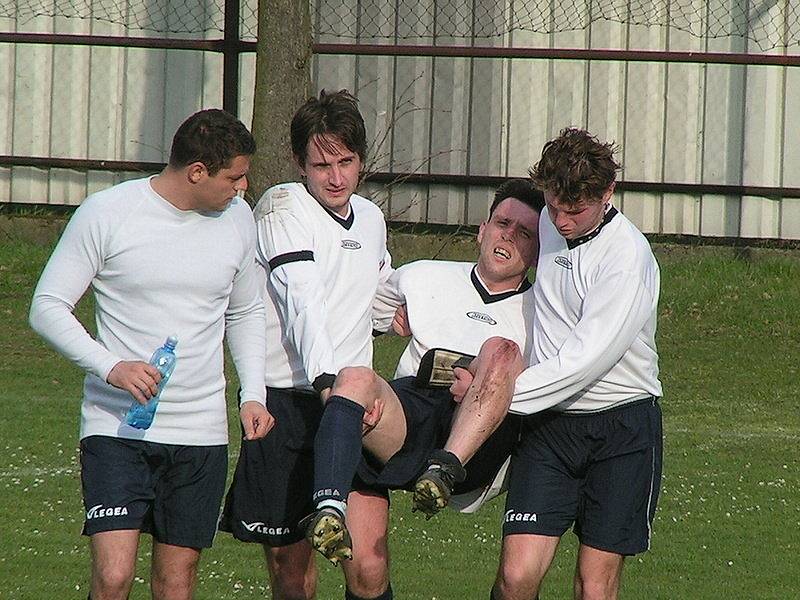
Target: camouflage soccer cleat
433, 488
327, 533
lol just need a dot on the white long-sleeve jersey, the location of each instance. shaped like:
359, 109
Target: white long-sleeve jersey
595, 320
450, 307
156, 270
322, 275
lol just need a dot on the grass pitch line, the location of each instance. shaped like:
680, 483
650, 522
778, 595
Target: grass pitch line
772, 434
40, 472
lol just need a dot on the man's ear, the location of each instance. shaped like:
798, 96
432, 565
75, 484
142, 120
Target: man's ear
195, 172
480, 231
300, 164
609, 192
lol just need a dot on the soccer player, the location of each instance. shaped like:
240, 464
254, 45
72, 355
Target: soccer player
594, 460
324, 251
448, 304
169, 254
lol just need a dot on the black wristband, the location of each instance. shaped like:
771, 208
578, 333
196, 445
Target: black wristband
323, 381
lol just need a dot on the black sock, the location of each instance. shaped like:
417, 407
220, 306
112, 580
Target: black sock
337, 449
386, 595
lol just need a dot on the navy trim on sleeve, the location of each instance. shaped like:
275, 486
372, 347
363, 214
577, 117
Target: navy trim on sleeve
323, 382
290, 257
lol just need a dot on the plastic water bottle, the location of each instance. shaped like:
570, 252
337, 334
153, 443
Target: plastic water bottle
163, 359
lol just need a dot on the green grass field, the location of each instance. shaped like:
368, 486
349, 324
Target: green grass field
729, 516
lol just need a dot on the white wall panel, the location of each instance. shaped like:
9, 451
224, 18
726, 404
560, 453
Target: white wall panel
8, 57
529, 92
790, 228
607, 83
69, 107
714, 219
676, 123
32, 85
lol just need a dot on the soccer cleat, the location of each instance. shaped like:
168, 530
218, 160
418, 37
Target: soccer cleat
328, 535
433, 488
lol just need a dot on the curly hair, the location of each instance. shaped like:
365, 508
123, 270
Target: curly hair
576, 166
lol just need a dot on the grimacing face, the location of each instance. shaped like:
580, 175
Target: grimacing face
331, 173
509, 245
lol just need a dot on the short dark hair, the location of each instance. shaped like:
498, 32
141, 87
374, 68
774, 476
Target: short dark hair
576, 166
213, 137
333, 114
521, 189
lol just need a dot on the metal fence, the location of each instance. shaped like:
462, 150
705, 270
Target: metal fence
701, 96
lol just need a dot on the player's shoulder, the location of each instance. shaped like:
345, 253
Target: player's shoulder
240, 209
241, 215
284, 197
628, 245
115, 203
434, 270
362, 204
118, 193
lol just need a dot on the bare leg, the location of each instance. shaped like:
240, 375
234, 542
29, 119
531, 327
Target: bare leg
482, 408
598, 574
365, 387
113, 563
292, 571
486, 403
524, 561
174, 572
367, 575
357, 395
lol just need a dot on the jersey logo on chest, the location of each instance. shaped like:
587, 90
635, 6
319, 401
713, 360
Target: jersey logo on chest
351, 245
563, 261
482, 317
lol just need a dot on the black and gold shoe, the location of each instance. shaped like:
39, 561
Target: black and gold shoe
327, 533
433, 488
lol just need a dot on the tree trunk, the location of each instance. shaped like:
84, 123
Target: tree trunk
283, 79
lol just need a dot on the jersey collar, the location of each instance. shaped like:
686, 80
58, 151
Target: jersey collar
610, 214
487, 296
345, 222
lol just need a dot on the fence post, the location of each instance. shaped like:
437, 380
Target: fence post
230, 58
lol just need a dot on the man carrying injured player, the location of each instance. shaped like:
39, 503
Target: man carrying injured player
448, 305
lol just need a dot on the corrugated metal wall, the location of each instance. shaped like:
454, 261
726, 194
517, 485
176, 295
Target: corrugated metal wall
682, 123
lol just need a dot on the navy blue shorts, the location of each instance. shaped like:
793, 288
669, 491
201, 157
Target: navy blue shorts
172, 492
272, 485
429, 413
600, 471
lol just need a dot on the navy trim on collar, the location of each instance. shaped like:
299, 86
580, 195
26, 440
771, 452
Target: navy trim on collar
346, 223
612, 212
487, 296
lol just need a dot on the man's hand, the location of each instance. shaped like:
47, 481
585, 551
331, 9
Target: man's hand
372, 417
256, 420
400, 323
461, 384
138, 378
